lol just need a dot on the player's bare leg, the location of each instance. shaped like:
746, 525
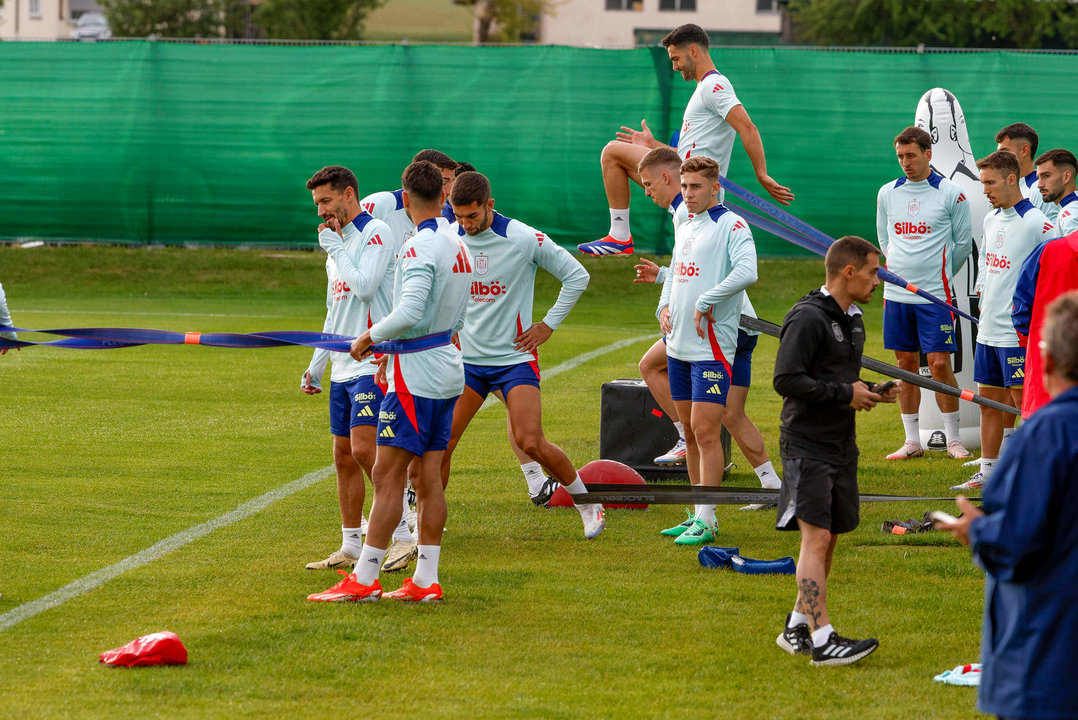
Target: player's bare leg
653, 370
541, 487
619, 161
909, 402
748, 438
939, 364
351, 460
467, 406
703, 443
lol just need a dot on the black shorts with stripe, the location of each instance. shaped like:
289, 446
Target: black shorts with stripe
821, 493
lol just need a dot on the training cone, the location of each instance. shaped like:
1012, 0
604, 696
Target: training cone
162, 648
601, 471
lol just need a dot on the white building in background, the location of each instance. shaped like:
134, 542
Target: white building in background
42, 19
631, 23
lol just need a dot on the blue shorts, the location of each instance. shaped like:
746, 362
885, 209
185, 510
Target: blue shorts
353, 402
909, 328
741, 374
485, 379
415, 424
999, 366
704, 381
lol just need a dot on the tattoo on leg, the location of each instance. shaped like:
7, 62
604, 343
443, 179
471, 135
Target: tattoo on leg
810, 601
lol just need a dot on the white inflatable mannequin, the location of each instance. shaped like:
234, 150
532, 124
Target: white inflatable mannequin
939, 113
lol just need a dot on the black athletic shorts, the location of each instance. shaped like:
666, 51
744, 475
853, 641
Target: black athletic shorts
821, 493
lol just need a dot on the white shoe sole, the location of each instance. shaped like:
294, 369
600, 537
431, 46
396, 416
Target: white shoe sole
848, 660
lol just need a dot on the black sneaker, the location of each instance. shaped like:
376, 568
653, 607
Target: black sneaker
842, 651
796, 640
541, 498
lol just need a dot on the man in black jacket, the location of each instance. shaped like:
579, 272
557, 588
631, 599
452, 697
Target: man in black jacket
816, 372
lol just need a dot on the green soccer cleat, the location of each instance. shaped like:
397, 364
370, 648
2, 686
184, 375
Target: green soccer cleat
697, 534
678, 529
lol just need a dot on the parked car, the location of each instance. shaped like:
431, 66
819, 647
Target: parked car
91, 26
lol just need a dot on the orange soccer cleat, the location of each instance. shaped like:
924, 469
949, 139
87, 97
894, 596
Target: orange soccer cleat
348, 590
410, 592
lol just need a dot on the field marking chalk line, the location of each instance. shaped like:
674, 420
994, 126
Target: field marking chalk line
185, 537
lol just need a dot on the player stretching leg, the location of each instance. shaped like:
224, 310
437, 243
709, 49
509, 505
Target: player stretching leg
660, 173
360, 259
430, 294
713, 117
699, 311
1010, 234
499, 340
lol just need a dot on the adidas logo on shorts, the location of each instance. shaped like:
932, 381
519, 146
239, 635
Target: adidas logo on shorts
714, 390
365, 412
387, 432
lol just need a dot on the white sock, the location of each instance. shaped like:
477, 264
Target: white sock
369, 563
352, 541
706, 513
988, 465
768, 477
575, 488
426, 567
680, 430
820, 635
950, 426
533, 474
796, 619
912, 425
619, 225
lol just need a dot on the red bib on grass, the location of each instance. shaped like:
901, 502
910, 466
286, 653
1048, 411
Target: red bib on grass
601, 471
162, 648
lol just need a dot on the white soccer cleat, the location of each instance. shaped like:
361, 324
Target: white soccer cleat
338, 559
909, 449
974, 483
956, 449
400, 555
594, 518
673, 456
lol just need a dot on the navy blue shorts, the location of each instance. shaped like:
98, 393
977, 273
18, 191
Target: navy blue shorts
485, 379
352, 403
909, 328
704, 381
742, 370
415, 424
999, 366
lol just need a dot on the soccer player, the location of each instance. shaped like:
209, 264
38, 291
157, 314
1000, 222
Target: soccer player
426, 376
816, 373
1056, 173
1010, 235
713, 117
360, 256
499, 340
923, 227
5, 320
699, 311
660, 175
1021, 140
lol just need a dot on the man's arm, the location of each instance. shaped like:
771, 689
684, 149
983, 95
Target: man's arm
312, 379
742, 275
739, 120
365, 271
557, 261
798, 343
5, 316
881, 220
640, 137
962, 231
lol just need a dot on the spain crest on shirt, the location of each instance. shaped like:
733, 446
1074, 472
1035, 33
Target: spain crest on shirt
482, 264
1000, 237
914, 207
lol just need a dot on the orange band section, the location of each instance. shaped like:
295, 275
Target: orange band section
966, 395
192, 338
911, 287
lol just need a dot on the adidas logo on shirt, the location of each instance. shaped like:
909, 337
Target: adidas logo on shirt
387, 432
376, 240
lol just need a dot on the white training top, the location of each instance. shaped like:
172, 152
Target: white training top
1009, 236
714, 261
925, 233
704, 130
1033, 194
359, 291
1067, 220
389, 208
5, 316
679, 214
430, 295
505, 257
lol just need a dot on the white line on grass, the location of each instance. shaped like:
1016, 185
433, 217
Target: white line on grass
185, 537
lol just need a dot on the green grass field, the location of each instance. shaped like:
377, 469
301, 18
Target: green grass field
105, 453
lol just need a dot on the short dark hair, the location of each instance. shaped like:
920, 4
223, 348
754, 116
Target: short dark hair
436, 157
337, 177
1022, 132
684, 35
701, 164
470, 187
1003, 161
1061, 334
659, 156
1060, 157
848, 250
914, 135
462, 168
423, 181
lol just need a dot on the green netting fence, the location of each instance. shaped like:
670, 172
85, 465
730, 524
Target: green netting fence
152, 142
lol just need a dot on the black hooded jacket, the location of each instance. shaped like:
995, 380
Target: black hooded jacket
818, 361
